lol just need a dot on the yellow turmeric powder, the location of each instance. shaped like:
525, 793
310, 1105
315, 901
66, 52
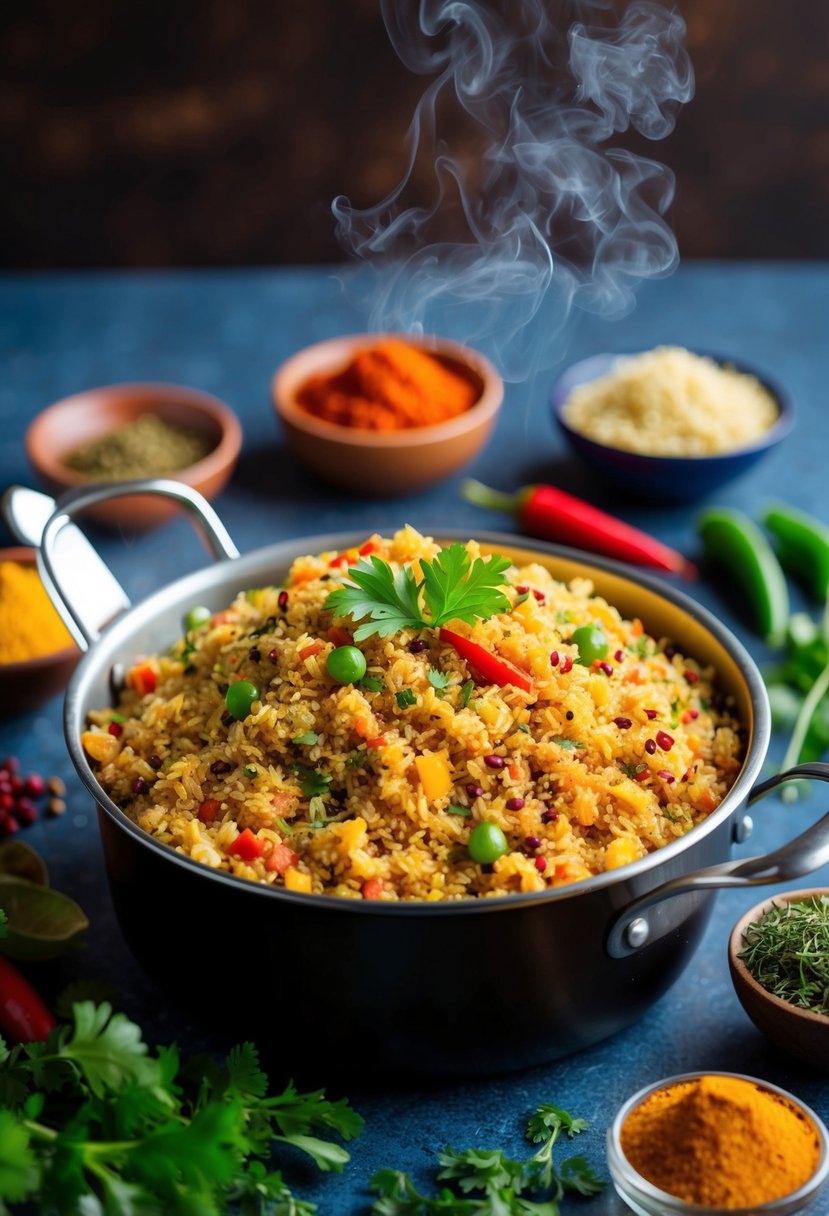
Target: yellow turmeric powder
721, 1141
29, 624
389, 387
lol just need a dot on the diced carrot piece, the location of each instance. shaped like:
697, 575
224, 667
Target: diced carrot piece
340, 637
280, 859
361, 727
514, 771
297, 880
377, 742
373, 888
143, 679
311, 649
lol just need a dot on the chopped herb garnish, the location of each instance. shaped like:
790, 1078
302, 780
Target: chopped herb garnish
357, 759
466, 692
453, 588
454, 809
405, 698
119, 718
439, 680
787, 951
307, 740
312, 781
373, 683
563, 741
525, 727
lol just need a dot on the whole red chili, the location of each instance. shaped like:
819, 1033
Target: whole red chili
552, 514
23, 1016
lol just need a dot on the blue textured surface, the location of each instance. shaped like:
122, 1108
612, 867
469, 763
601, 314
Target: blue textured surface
226, 332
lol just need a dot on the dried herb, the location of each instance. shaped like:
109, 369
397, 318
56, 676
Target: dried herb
787, 951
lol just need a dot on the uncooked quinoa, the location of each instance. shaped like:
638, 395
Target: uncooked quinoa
388, 743
670, 402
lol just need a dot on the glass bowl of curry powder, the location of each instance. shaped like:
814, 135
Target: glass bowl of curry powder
704, 1143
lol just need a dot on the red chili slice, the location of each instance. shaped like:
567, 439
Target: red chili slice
486, 664
23, 1016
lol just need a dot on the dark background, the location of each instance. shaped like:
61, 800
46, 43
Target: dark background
216, 132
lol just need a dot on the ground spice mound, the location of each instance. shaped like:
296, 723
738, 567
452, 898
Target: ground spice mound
389, 387
29, 625
721, 1142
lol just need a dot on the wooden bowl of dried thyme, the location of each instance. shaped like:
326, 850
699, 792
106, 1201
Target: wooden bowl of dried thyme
123, 431
778, 956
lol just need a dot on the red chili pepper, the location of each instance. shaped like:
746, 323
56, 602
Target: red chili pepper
23, 1016
552, 514
489, 666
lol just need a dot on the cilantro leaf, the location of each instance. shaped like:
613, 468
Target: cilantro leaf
313, 783
456, 588
453, 587
244, 1074
108, 1049
438, 679
18, 1172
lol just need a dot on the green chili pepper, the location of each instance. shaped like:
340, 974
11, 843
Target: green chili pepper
734, 541
802, 546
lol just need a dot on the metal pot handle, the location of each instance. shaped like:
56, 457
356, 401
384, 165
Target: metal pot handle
807, 852
206, 520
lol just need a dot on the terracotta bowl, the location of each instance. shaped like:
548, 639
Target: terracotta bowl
62, 427
798, 1031
386, 463
27, 685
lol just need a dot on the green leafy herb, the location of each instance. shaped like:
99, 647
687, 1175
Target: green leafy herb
454, 809
358, 759
453, 587
492, 1184
372, 683
312, 782
439, 680
94, 1121
525, 727
307, 740
405, 698
563, 741
806, 673
466, 692
787, 951
119, 718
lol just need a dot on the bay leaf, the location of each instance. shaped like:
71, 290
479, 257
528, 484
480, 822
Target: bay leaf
22, 861
42, 923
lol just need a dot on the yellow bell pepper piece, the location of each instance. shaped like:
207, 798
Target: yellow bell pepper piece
434, 774
297, 880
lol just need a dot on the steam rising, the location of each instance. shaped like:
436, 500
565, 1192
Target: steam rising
541, 215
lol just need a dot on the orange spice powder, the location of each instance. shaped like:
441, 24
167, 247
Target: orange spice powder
389, 387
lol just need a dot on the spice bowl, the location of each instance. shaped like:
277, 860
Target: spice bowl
674, 478
26, 684
646, 1199
84, 418
385, 462
802, 1033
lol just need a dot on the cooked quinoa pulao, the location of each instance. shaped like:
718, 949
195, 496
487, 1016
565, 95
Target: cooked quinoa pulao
444, 725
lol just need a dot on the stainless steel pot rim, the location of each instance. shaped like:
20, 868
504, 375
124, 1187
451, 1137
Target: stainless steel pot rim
281, 554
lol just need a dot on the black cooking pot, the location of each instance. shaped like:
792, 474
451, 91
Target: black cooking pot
447, 988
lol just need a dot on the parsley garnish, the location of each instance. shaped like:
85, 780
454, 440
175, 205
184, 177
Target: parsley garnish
466, 692
459, 810
453, 588
405, 698
563, 741
312, 782
138, 1133
357, 759
438, 679
501, 1183
307, 740
372, 683
525, 727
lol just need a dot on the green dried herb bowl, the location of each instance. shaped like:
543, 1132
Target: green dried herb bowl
800, 1032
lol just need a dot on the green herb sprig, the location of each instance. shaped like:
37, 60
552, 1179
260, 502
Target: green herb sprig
92, 1120
787, 951
492, 1184
453, 588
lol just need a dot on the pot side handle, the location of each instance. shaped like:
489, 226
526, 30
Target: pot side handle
807, 852
211, 528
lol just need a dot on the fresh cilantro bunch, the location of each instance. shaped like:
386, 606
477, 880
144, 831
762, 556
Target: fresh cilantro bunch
492, 1184
93, 1123
453, 588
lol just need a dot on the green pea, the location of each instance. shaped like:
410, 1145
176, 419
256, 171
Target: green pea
346, 664
591, 642
197, 616
487, 843
240, 697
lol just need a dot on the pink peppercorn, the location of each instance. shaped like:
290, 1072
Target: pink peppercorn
650, 713
540, 596
650, 747
606, 668
273, 655
494, 761
618, 656
532, 842
664, 740
35, 786
523, 589
549, 816
116, 729
475, 791
642, 775
554, 657
623, 723
515, 804
282, 600
567, 665
691, 677
666, 776
541, 864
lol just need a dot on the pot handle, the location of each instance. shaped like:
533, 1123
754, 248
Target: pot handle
807, 852
212, 530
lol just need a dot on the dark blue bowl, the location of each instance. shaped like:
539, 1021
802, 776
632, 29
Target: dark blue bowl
670, 478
